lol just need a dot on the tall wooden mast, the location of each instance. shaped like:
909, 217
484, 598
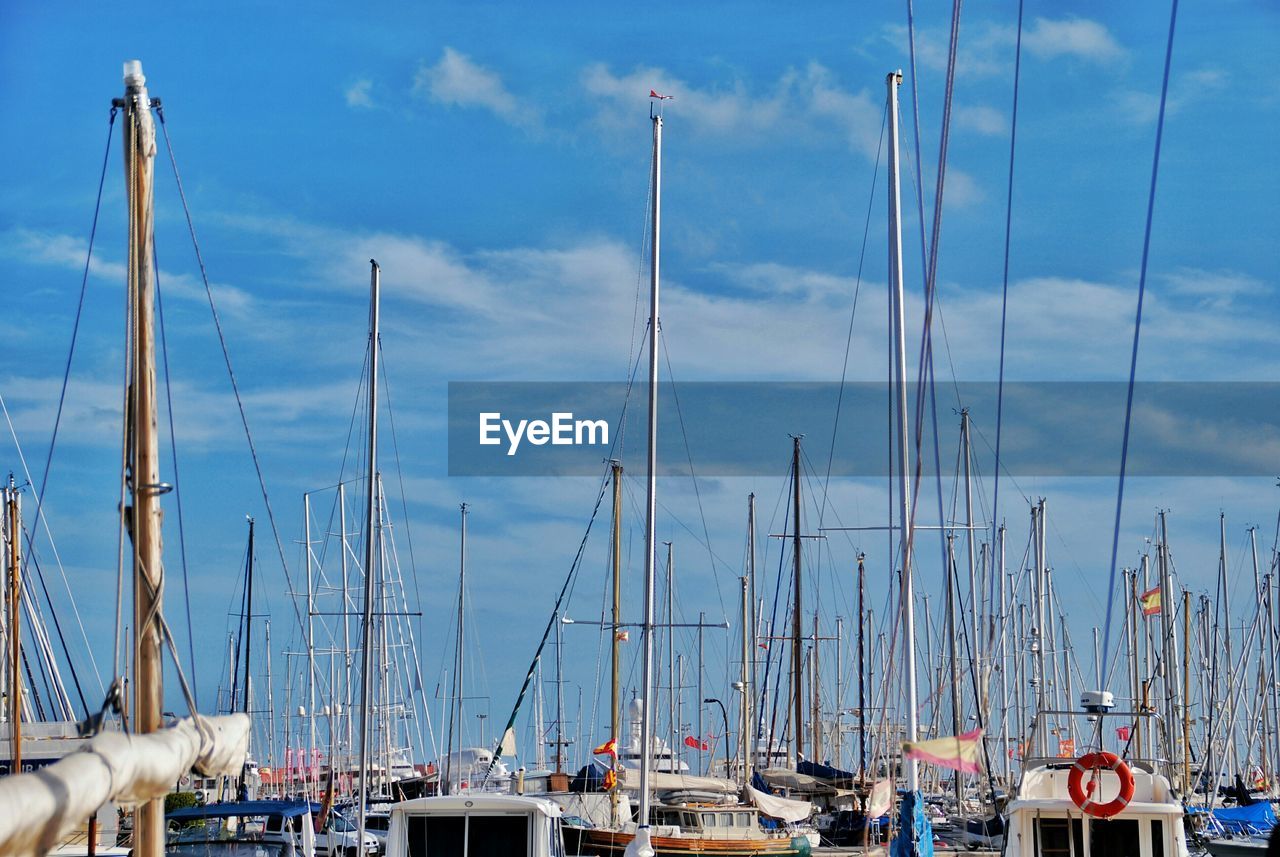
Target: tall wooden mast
143, 516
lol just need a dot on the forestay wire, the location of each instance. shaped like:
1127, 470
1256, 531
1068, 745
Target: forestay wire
226, 356
1004, 300
57, 422
1137, 330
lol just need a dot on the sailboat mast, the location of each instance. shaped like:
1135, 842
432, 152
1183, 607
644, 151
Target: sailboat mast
248, 617
672, 720
346, 617
370, 548
797, 630
863, 622
13, 555
744, 722
651, 478
311, 632
752, 630
614, 664
893, 81
143, 457
459, 666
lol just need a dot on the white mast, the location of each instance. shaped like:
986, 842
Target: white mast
370, 549
311, 642
651, 481
893, 81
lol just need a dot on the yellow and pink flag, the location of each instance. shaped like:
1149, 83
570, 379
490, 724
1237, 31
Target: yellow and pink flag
957, 752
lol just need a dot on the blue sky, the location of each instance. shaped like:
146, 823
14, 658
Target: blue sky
494, 159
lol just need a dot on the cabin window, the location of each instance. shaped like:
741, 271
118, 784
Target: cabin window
497, 836
690, 821
434, 835
708, 820
1157, 837
1111, 837
744, 819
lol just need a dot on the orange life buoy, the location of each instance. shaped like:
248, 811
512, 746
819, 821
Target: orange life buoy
1094, 762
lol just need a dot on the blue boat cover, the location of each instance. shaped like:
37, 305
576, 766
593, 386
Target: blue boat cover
823, 772
915, 833
590, 778
245, 808
1255, 818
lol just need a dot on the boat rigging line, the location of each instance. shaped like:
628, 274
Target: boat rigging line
853, 313
1137, 324
177, 481
1004, 295
53, 442
226, 357
684, 436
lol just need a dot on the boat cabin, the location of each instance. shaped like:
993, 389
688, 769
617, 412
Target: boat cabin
1133, 811
709, 822
476, 825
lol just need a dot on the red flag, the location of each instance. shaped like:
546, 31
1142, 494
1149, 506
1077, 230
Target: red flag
608, 748
1122, 732
653, 94
690, 741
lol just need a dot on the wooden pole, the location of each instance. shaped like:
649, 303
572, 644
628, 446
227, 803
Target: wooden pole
144, 515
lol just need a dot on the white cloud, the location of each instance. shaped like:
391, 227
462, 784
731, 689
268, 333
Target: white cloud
802, 104
358, 94
68, 252
1079, 38
459, 81
987, 50
1215, 289
962, 190
1142, 108
980, 119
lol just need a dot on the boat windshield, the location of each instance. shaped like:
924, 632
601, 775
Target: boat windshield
229, 848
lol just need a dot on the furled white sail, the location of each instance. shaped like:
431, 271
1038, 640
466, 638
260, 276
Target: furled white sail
780, 807
39, 809
664, 782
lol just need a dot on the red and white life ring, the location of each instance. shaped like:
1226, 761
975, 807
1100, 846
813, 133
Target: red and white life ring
1083, 798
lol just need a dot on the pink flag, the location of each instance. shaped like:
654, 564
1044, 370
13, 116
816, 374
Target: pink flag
957, 752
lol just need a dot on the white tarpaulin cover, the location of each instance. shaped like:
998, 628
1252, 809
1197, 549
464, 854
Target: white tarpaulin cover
660, 782
640, 846
780, 807
39, 809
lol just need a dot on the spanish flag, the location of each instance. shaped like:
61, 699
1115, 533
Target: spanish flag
608, 748
958, 752
1150, 601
